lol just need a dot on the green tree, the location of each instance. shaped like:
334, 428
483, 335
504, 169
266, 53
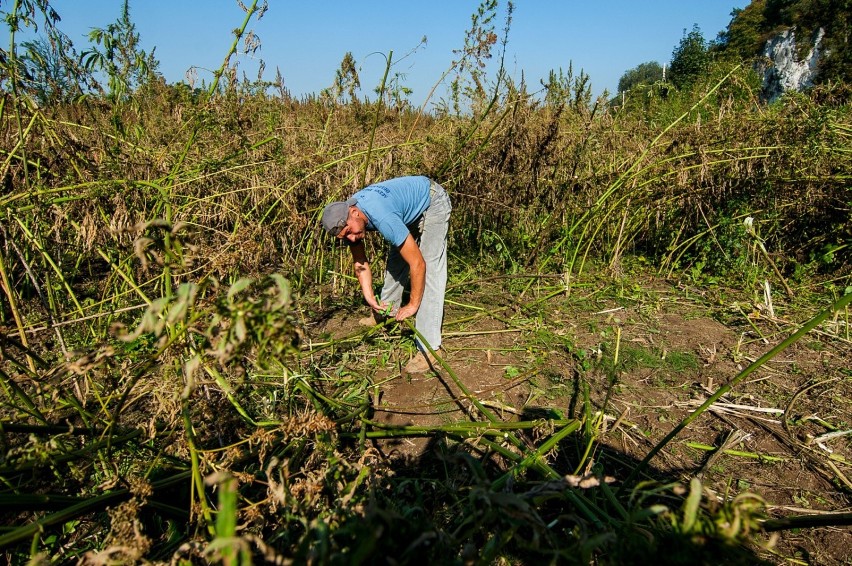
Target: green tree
117, 54
643, 74
690, 59
744, 36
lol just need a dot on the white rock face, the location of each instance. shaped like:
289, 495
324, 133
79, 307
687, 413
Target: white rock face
784, 71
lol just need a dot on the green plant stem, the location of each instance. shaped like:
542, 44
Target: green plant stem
45, 429
238, 34
12, 67
767, 257
229, 393
214, 86
127, 279
13, 305
466, 429
82, 508
13, 391
582, 503
29, 502
537, 454
807, 522
197, 479
740, 453
22, 146
468, 395
67, 456
376, 120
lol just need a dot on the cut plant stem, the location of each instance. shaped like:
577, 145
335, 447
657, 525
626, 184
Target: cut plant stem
464, 428
740, 453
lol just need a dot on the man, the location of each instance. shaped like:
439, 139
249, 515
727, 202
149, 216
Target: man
412, 213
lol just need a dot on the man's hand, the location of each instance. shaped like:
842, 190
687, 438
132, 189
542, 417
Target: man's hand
406, 311
384, 309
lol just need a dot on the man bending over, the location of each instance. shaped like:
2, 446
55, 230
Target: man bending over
412, 214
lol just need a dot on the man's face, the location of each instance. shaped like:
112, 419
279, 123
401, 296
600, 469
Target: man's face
355, 227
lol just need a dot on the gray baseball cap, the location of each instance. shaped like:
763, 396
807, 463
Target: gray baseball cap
335, 215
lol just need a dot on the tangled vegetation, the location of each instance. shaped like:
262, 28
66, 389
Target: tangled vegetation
163, 396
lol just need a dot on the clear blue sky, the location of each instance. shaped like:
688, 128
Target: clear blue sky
306, 40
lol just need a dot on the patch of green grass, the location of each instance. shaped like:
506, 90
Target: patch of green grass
682, 361
631, 357
634, 357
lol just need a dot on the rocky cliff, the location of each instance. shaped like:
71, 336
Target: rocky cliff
782, 68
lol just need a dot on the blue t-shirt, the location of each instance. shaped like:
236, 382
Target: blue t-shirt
392, 205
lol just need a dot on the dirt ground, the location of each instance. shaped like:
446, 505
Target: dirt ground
654, 351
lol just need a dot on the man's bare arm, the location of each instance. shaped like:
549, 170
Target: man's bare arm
410, 252
363, 273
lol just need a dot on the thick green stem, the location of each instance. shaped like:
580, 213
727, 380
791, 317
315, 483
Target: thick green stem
807, 522
376, 120
538, 454
466, 428
13, 305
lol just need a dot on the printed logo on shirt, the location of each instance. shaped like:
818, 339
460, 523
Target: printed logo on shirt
381, 190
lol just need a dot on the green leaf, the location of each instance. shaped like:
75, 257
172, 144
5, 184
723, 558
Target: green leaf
511, 372
240, 285
690, 507
226, 519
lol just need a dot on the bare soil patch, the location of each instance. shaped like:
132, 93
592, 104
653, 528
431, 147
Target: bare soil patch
648, 355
